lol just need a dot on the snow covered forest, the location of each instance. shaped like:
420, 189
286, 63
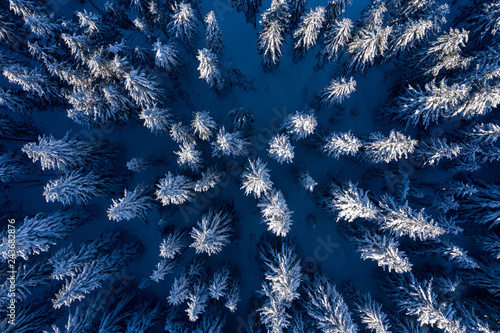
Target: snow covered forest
250, 166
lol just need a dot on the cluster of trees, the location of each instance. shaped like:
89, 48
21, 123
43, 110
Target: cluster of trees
89, 67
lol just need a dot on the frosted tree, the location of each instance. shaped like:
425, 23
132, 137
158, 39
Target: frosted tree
203, 125
138, 164
183, 22
366, 46
384, 250
336, 38
181, 134
255, 179
386, 149
166, 56
437, 149
209, 69
445, 51
31, 80
250, 8
404, 221
307, 181
283, 271
486, 277
136, 203
273, 312
337, 144
281, 149
233, 295
434, 104
350, 203
179, 292
490, 243
411, 33
270, 40
419, 300
93, 274
275, 213
188, 156
457, 255
338, 90
38, 233
372, 315
484, 133
91, 22
219, 283
209, 178
307, 34
42, 25
300, 125
143, 88
64, 154
329, 310
76, 187
229, 144
213, 35
172, 245
174, 190
197, 301
212, 233
163, 267
143, 319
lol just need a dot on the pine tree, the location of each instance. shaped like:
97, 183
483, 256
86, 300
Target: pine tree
250, 8
213, 232
275, 213
189, 157
327, 307
419, 300
143, 88
411, 33
255, 178
181, 134
404, 221
42, 25
183, 22
337, 144
335, 9
209, 69
281, 149
338, 90
219, 283
336, 38
31, 80
77, 187
273, 312
457, 255
351, 203
11, 167
163, 267
229, 144
209, 178
242, 118
213, 35
371, 314
179, 292
233, 295
485, 133
197, 301
299, 125
64, 154
174, 190
297, 10
167, 56
136, 203
366, 46
203, 125
307, 34
487, 20
283, 271
437, 148
386, 149
384, 250
269, 43
143, 319
38, 234
93, 274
